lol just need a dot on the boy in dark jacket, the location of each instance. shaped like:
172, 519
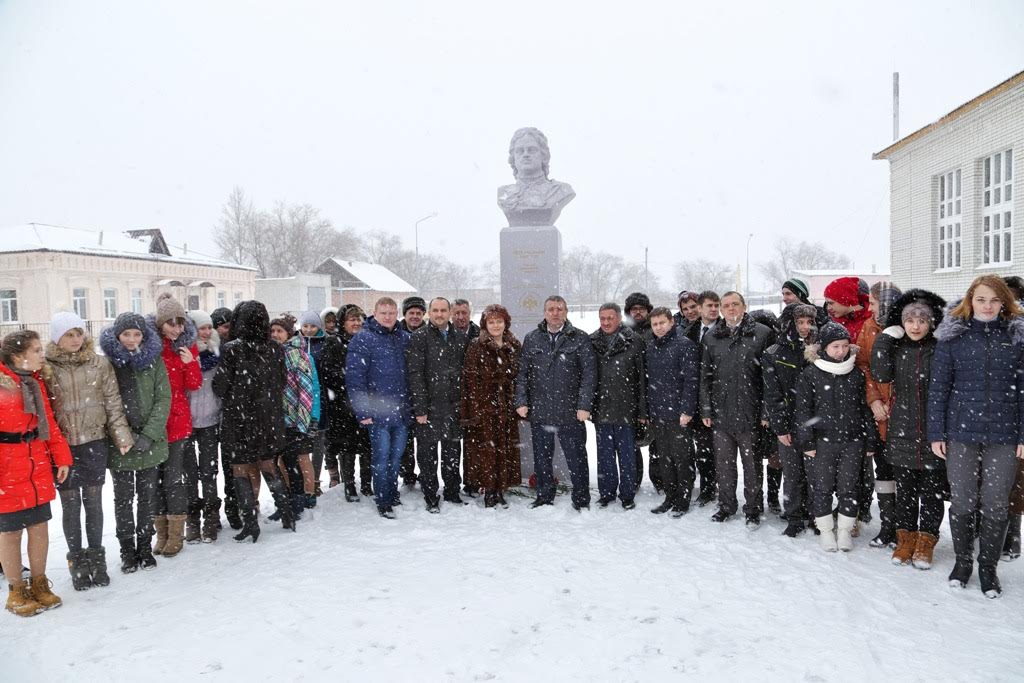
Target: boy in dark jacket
835, 428
781, 367
673, 376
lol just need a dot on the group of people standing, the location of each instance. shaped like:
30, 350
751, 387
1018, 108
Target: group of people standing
927, 394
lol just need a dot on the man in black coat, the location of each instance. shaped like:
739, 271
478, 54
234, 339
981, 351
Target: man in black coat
781, 367
619, 405
708, 306
462, 318
638, 311
433, 366
731, 401
555, 392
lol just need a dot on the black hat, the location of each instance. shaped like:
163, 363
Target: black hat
798, 287
414, 302
830, 332
221, 316
638, 299
129, 321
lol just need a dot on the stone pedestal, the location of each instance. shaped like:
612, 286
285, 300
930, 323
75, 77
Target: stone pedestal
530, 256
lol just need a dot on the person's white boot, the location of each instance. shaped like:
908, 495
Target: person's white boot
826, 536
844, 533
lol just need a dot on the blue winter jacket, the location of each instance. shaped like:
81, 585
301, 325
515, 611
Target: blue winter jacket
556, 378
673, 376
375, 375
977, 389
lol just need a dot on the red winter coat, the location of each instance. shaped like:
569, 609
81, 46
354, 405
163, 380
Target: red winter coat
26, 469
183, 378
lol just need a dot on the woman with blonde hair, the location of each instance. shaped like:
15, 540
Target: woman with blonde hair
976, 421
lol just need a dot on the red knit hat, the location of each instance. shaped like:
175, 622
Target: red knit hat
844, 290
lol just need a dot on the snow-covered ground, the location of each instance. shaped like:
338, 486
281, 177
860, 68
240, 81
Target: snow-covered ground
519, 594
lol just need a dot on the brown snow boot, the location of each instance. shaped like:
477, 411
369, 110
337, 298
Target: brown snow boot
906, 541
923, 550
40, 587
160, 524
20, 601
175, 534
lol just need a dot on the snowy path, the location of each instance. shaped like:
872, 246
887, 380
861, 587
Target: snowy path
520, 594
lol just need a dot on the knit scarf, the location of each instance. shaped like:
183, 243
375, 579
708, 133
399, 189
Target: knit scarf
298, 389
32, 399
854, 321
128, 384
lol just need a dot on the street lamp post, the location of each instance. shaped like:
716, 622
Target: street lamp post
746, 281
417, 231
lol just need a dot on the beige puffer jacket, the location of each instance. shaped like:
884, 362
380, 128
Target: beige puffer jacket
86, 400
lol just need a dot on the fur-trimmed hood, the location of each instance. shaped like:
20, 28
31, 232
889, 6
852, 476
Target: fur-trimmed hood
148, 351
931, 299
813, 352
55, 354
213, 345
185, 340
953, 327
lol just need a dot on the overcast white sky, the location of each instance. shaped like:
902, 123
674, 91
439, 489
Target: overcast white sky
681, 126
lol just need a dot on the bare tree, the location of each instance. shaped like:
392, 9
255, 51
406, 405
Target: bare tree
232, 233
790, 256
703, 274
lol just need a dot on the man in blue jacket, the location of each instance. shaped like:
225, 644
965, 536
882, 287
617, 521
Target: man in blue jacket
555, 392
377, 389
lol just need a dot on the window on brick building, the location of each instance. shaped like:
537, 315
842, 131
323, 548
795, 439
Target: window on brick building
997, 208
950, 218
109, 304
79, 302
8, 305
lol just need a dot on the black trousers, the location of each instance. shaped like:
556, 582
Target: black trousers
836, 466
172, 489
704, 455
675, 449
920, 496
201, 468
451, 452
407, 468
138, 488
795, 499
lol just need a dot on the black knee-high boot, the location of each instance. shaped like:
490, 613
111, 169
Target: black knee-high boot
276, 485
961, 527
774, 484
246, 510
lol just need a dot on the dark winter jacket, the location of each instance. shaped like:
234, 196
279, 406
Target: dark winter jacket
621, 396
433, 369
145, 396
830, 404
673, 377
183, 378
250, 382
975, 395
781, 366
556, 378
731, 388
344, 433
472, 332
905, 365
375, 374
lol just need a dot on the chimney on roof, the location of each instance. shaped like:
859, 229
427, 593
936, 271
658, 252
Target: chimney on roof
895, 105
101, 238
872, 268
185, 248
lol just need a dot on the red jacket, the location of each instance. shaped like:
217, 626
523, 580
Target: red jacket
183, 378
26, 469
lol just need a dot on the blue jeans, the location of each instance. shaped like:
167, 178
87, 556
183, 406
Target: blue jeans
387, 443
573, 438
616, 441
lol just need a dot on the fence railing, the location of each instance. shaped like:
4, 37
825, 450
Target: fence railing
95, 327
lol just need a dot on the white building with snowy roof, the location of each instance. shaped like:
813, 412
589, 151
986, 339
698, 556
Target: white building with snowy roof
361, 283
101, 273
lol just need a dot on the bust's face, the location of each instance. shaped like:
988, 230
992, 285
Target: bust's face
527, 155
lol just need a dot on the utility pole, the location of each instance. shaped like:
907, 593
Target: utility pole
416, 229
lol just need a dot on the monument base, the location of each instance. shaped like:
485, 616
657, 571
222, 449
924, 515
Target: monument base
530, 258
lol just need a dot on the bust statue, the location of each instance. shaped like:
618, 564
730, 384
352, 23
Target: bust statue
534, 199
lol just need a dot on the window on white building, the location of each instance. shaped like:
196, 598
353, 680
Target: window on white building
238, 298
222, 299
79, 302
950, 216
109, 304
997, 208
137, 300
8, 305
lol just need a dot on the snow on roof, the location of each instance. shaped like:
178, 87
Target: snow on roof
115, 243
375, 276
838, 273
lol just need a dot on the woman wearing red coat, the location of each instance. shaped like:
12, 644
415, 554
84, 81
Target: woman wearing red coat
181, 357
31, 445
